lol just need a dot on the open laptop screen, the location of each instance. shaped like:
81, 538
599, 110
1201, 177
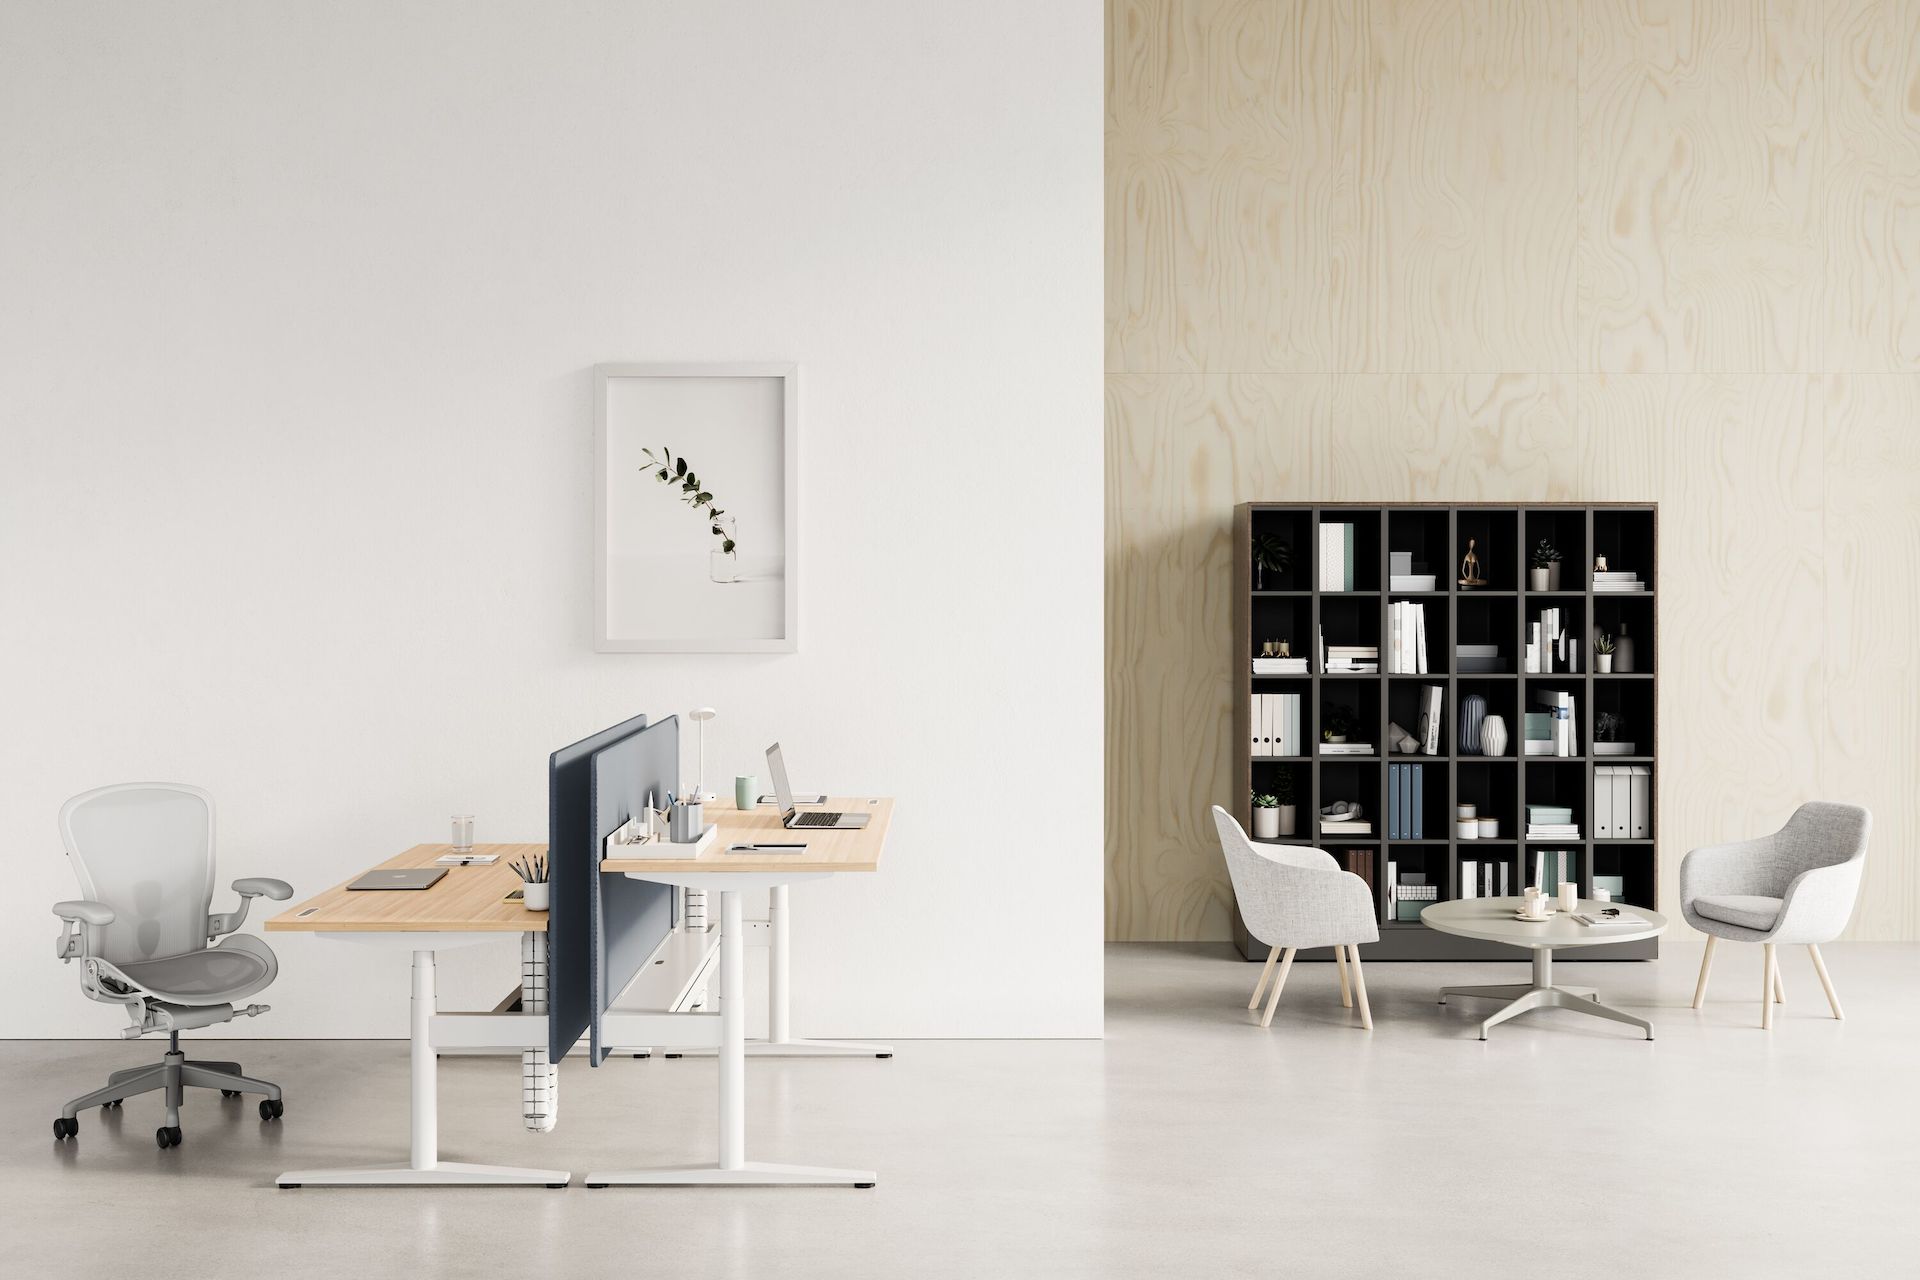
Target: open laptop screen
777, 769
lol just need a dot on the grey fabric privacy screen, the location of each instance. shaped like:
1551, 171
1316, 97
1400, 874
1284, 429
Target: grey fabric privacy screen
573, 858
630, 917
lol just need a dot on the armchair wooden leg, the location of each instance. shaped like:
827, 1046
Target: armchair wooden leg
1360, 987
1779, 986
1820, 967
1706, 963
1766, 990
1273, 1001
1266, 971
1346, 992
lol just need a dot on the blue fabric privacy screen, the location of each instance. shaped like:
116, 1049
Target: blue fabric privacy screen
630, 917
573, 864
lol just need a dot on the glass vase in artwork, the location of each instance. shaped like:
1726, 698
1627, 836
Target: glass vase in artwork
723, 562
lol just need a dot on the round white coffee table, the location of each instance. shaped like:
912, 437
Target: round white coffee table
1492, 920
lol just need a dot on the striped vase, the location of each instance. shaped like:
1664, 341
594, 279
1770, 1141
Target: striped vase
1473, 709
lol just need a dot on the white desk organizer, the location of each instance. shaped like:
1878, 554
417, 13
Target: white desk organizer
631, 840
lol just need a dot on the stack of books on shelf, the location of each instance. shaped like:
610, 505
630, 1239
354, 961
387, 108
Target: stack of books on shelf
1563, 736
1346, 826
1551, 822
1624, 580
1336, 557
1408, 893
1276, 725
1485, 879
1407, 638
1346, 748
1280, 666
1406, 799
1553, 868
1404, 575
1358, 861
1550, 647
1358, 659
1478, 659
1622, 802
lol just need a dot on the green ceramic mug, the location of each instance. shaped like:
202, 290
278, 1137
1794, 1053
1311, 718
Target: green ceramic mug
746, 791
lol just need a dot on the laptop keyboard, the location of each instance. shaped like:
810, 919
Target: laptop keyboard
815, 819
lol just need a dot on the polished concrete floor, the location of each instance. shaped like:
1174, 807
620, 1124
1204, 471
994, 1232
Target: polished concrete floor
1190, 1141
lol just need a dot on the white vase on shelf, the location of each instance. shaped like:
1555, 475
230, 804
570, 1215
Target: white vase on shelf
1493, 736
1266, 823
1623, 652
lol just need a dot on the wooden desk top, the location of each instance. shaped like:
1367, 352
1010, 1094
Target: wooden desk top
826, 850
467, 899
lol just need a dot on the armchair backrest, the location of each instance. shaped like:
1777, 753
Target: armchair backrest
1823, 834
146, 850
1260, 877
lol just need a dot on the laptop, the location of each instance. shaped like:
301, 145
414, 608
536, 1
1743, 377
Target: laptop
403, 878
814, 819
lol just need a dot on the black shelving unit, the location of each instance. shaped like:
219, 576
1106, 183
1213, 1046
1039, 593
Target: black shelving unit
1295, 606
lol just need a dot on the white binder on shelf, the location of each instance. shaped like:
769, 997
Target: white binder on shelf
1641, 803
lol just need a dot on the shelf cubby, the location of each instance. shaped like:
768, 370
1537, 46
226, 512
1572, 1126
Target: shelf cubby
1294, 605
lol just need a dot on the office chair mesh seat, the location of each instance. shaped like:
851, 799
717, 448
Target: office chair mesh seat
215, 975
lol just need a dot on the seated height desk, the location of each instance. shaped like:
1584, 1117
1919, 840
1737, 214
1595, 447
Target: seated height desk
467, 906
827, 853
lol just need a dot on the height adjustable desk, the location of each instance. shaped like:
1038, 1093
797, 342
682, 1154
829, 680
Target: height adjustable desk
466, 907
827, 853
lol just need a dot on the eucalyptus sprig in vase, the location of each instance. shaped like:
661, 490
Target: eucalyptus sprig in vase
723, 561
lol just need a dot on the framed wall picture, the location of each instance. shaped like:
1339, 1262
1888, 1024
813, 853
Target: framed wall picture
696, 508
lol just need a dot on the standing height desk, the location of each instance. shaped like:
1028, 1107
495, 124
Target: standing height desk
827, 852
467, 906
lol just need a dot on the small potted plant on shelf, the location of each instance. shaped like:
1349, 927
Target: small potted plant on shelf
1607, 728
1336, 722
1266, 816
1289, 809
1603, 654
1270, 551
1545, 566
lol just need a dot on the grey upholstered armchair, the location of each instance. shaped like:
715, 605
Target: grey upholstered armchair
1794, 887
1293, 896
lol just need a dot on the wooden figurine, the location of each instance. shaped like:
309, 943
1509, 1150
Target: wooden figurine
1470, 568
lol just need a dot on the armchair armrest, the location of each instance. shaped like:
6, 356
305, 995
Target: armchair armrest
249, 888
72, 942
1819, 902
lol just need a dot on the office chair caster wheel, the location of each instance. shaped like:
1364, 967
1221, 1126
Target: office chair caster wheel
64, 1128
272, 1108
229, 1093
167, 1136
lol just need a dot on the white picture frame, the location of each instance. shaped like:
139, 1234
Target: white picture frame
660, 578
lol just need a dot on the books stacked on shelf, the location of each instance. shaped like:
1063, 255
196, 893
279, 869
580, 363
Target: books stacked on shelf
1346, 826
1430, 699
1336, 557
1624, 580
1550, 646
1276, 725
1479, 879
1407, 638
1478, 659
1346, 748
1353, 658
1622, 802
1403, 574
1406, 802
1553, 868
1280, 666
1551, 822
1564, 736
1360, 862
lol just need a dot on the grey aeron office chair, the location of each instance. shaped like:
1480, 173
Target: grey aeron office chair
143, 852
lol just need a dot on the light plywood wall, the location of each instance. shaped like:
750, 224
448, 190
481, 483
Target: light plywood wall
1526, 250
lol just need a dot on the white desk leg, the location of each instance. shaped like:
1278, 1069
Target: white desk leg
539, 1079
733, 1167
780, 1041
424, 1166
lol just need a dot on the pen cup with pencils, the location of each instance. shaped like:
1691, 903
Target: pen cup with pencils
533, 881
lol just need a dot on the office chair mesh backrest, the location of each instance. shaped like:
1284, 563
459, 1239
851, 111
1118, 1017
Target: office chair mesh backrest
146, 850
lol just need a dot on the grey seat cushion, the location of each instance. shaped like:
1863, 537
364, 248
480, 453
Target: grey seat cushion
1749, 911
202, 977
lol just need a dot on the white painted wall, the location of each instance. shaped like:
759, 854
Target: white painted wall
298, 307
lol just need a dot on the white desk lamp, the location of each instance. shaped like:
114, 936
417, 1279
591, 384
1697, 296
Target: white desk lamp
700, 716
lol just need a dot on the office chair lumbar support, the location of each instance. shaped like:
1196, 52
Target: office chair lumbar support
132, 846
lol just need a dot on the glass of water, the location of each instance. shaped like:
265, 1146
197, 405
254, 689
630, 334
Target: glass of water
463, 833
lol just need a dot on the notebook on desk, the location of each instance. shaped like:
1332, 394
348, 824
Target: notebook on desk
401, 878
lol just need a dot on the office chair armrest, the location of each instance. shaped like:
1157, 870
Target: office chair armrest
249, 888
72, 942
